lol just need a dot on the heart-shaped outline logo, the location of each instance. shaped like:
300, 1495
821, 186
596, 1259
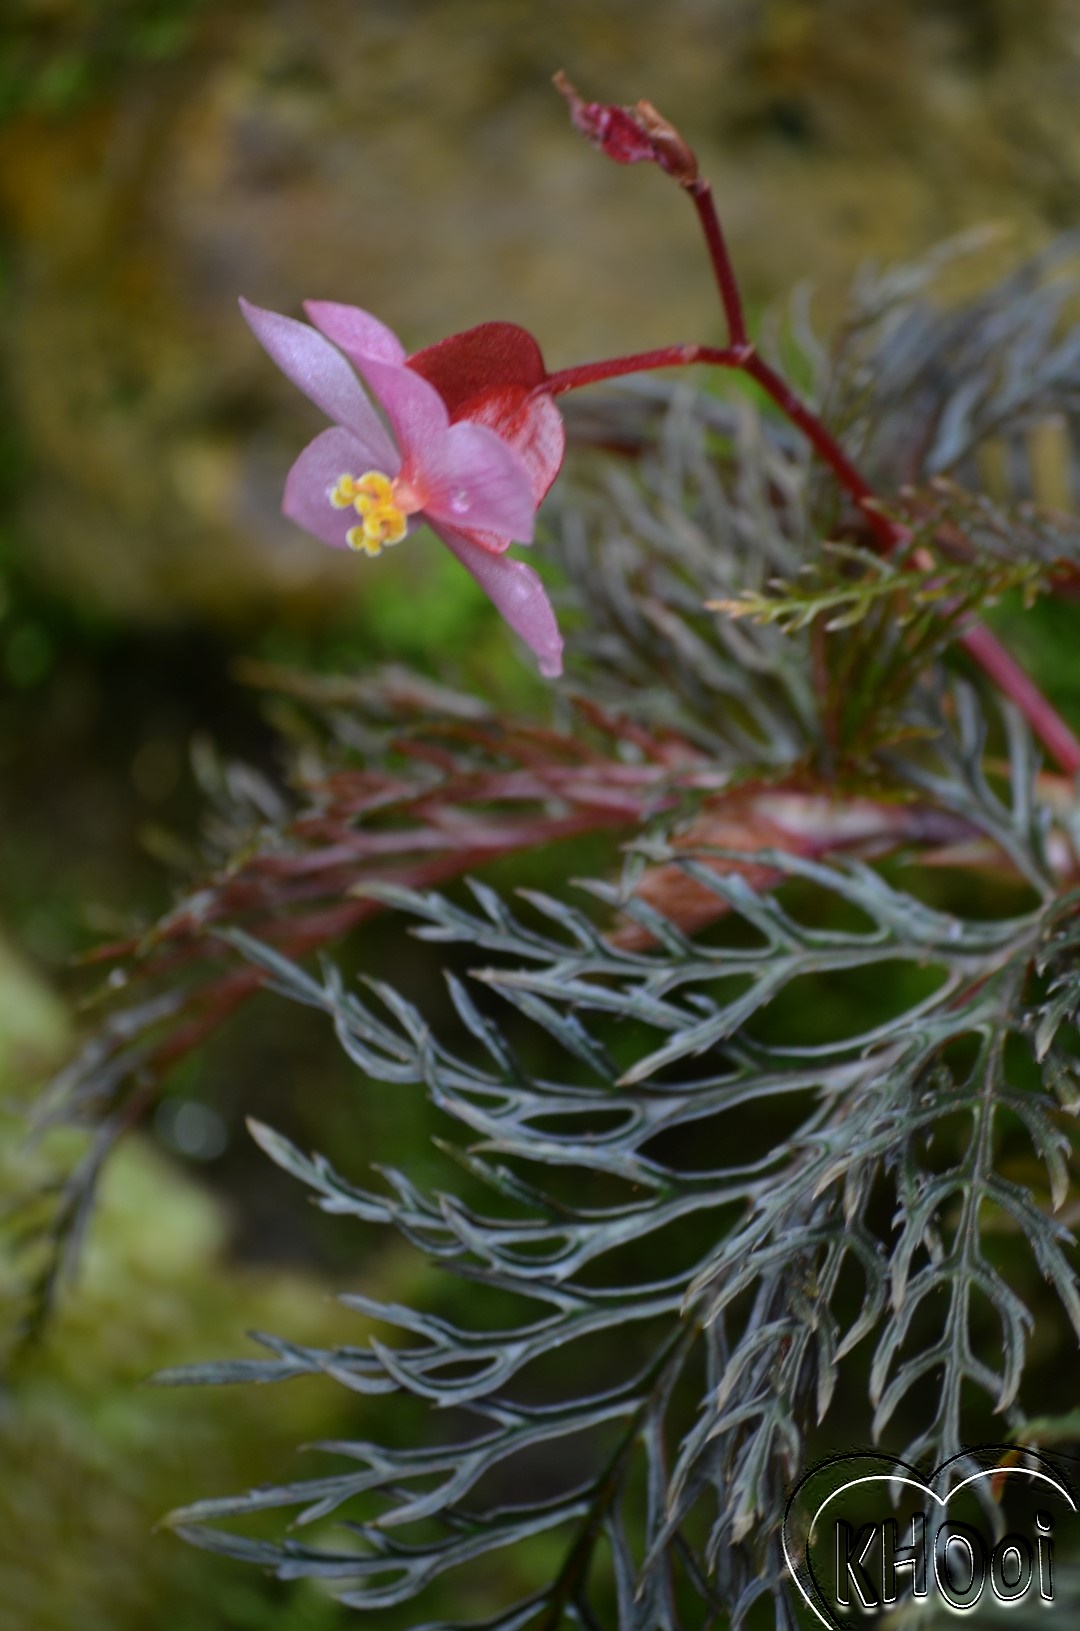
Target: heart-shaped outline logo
895, 1471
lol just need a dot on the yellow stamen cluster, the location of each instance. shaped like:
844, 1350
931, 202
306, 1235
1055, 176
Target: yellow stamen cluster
382, 521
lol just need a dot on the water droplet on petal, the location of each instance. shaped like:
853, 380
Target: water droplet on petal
460, 502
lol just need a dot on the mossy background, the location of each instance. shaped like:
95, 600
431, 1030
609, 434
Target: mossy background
157, 160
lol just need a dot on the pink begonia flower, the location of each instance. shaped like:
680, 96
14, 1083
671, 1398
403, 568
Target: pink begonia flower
475, 445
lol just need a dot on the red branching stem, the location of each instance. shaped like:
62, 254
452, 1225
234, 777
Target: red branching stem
1055, 735
979, 643
726, 281
740, 354
669, 356
743, 357
888, 533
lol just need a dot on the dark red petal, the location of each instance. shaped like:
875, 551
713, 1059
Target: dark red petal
532, 425
480, 360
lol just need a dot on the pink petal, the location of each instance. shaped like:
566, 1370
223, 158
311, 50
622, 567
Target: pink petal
517, 594
355, 332
323, 375
531, 424
414, 408
471, 478
307, 487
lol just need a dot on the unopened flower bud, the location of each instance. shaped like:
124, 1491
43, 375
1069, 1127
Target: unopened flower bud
631, 135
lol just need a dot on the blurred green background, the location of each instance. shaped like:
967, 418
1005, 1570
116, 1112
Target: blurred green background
156, 161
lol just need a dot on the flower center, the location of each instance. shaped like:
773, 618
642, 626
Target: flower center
383, 506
